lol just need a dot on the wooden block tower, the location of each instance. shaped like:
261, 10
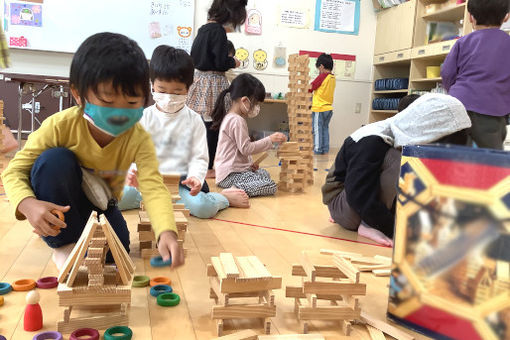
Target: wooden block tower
88, 285
299, 110
292, 173
335, 281
147, 236
241, 278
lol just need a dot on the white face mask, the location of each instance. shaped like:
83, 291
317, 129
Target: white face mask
170, 103
254, 112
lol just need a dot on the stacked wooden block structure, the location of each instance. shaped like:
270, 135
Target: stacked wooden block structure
292, 173
87, 285
241, 278
146, 235
299, 102
336, 282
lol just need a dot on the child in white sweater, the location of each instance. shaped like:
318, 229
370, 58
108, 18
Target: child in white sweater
179, 136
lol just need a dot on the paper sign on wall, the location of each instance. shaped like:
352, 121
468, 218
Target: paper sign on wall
253, 23
344, 65
26, 14
296, 18
337, 16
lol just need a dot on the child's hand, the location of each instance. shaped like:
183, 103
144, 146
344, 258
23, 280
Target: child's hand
254, 167
278, 137
131, 179
194, 184
168, 247
38, 213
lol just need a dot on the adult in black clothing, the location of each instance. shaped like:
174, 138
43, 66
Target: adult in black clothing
361, 186
210, 53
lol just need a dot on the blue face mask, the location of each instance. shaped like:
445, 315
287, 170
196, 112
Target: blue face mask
112, 120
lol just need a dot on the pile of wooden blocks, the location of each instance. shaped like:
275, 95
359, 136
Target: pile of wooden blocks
378, 265
292, 173
87, 284
299, 110
146, 236
241, 278
336, 282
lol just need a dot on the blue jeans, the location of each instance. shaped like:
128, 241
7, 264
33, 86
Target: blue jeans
320, 128
203, 205
56, 177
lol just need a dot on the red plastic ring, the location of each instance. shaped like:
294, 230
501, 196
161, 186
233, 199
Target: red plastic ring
92, 334
47, 282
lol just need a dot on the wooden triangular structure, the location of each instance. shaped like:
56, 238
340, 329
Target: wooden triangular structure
87, 281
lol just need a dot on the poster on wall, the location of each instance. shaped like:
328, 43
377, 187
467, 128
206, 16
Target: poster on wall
253, 24
344, 65
295, 17
337, 16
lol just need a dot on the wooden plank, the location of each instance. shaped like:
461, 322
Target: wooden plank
375, 334
381, 272
385, 327
292, 337
144, 227
259, 267
347, 268
218, 267
248, 271
261, 158
334, 288
229, 265
247, 334
327, 313
81, 254
321, 271
96, 322
308, 266
123, 252
210, 270
243, 311
251, 285
124, 274
146, 236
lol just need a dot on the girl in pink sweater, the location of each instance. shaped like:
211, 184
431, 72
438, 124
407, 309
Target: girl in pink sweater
234, 164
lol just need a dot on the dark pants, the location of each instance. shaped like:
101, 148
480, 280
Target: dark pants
212, 142
56, 177
487, 131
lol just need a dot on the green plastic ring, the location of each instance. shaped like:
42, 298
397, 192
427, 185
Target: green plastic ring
168, 299
141, 281
126, 332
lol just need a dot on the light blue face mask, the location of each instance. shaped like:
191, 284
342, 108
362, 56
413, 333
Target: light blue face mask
112, 120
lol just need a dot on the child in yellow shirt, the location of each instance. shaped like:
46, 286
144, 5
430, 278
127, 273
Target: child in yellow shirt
95, 141
323, 88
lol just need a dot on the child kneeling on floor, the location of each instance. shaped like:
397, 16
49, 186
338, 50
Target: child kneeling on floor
180, 137
234, 164
93, 145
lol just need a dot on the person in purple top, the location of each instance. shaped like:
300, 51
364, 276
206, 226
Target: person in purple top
477, 72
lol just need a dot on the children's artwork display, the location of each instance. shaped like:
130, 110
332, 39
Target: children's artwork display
61, 25
253, 24
280, 56
337, 16
344, 65
451, 261
260, 60
243, 55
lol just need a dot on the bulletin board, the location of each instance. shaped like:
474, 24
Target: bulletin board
62, 25
344, 65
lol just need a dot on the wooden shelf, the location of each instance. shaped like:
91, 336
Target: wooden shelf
391, 91
452, 13
385, 111
427, 80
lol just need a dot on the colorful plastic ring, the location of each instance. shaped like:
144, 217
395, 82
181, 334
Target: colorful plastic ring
168, 299
141, 281
48, 335
126, 332
5, 288
23, 285
60, 215
47, 282
160, 289
2, 337
160, 280
157, 261
1, 300
92, 334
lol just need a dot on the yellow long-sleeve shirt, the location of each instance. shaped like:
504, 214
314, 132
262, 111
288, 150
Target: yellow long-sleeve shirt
324, 93
68, 129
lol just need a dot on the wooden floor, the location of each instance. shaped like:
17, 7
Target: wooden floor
24, 255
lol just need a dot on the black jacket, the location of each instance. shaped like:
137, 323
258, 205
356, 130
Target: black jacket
210, 51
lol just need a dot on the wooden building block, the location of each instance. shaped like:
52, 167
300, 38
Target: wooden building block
385, 327
292, 337
247, 334
347, 268
229, 265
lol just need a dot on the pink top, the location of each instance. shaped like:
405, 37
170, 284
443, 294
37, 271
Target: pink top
235, 148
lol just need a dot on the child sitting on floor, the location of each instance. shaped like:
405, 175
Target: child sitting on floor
95, 143
180, 137
234, 164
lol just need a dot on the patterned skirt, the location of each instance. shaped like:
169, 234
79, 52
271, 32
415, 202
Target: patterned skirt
205, 90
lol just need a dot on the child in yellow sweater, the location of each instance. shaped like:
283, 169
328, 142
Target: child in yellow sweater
95, 141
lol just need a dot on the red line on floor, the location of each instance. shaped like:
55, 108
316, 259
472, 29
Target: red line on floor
299, 232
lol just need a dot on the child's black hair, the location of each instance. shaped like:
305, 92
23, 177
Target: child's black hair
488, 12
168, 63
406, 101
110, 57
244, 85
325, 60
456, 138
228, 12
231, 48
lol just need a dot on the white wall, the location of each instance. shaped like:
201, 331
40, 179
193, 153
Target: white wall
347, 94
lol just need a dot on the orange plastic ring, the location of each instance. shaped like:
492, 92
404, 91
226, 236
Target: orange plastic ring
1, 300
23, 285
60, 215
160, 280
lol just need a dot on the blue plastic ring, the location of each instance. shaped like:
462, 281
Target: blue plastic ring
5, 288
158, 262
160, 289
